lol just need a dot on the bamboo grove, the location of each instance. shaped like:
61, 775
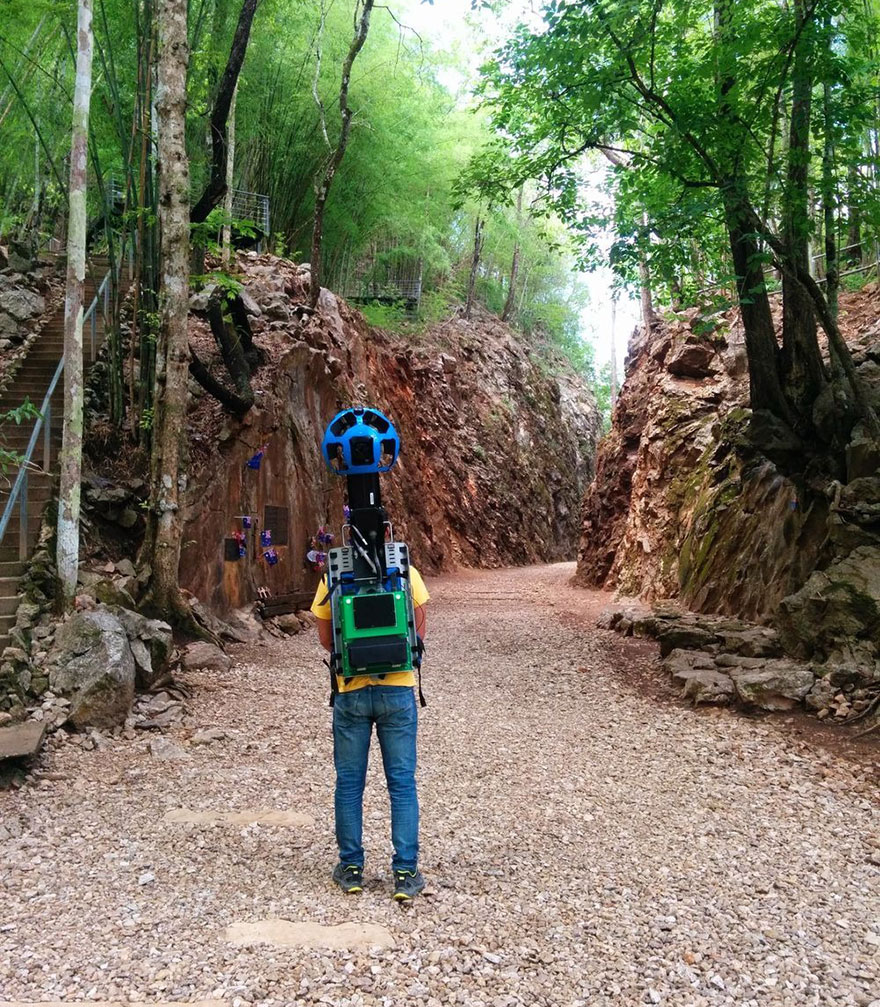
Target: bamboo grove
274, 88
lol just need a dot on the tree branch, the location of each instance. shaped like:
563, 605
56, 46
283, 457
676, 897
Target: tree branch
216, 187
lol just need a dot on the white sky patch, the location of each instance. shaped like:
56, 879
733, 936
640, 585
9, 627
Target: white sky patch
453, 25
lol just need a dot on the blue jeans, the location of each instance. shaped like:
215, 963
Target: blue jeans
392, 708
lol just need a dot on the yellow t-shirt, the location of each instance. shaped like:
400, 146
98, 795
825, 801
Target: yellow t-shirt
321, 608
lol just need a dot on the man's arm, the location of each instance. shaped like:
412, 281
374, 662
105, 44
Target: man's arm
325, 633
325, 628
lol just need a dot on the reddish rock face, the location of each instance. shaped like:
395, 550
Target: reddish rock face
496, 451
683, 506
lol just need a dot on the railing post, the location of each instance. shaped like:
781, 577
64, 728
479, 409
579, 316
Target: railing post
47, 438
23, 519
106, 300
94, 334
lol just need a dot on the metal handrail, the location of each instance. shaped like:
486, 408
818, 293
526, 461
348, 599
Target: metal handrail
44, 421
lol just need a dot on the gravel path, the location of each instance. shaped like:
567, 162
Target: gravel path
586, 843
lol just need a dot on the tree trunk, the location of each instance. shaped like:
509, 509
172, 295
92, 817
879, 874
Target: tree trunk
230, 170
803, 373
762, 349
475, 265
168, 475
647, 301
832, 268
854, 252
765, 388
322, 187
71, 448
838, 345
514, 266
216, 187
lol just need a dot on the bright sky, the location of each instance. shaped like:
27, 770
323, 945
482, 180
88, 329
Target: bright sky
451, 23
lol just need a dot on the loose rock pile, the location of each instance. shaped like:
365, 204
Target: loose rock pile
27, 290
100, 657
714, 659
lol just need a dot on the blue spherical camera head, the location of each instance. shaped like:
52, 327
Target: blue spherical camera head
360, 441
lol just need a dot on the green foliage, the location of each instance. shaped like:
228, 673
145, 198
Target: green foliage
228, 285
671, 102
10, 460
420, 166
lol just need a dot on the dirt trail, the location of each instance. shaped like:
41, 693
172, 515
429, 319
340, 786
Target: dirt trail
586, 843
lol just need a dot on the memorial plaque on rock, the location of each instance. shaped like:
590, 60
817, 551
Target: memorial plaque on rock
231, 552
277, 518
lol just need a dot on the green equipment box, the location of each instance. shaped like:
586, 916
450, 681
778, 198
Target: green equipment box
375, 633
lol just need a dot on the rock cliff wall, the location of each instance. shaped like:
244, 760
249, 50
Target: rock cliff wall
497, 450
685, 506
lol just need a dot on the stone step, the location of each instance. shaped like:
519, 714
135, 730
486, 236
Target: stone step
39, 365
37, 496
9, 587
15, 569
9, 606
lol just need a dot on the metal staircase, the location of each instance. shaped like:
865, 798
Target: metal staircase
23, 500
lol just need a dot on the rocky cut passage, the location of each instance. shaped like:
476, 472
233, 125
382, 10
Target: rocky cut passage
585, 844
498, 439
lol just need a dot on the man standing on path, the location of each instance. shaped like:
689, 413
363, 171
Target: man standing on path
388, 702
371, 618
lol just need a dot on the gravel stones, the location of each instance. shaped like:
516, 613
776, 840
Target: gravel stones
584, 843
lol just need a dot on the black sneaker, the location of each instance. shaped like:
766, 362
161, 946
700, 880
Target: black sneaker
407, 884
350, 878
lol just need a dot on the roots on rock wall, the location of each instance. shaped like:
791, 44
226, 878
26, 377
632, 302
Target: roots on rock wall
497, 446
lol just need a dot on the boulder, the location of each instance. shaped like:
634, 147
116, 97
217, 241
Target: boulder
692, 360
19, 258
687, 636
835, 606
151, 644
686, 660
700, 680
704, 686
752, 641
821, 694
206, 655
779, 685
166, 750
22, 304
9, 329
289, 624
860, 500
112, 593
862, 454
91, 663
199, 300
250, 305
